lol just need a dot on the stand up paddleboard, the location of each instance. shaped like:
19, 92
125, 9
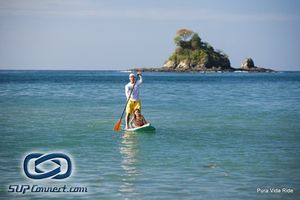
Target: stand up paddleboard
146, 127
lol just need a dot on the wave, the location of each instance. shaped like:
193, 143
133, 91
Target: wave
126, 71
241, 71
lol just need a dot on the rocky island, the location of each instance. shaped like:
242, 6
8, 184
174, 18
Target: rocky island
248, 65
194, 55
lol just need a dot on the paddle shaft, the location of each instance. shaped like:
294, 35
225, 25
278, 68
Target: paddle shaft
128, 99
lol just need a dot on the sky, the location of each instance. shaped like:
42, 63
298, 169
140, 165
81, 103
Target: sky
117, 35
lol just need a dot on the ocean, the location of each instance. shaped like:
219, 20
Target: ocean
218, 135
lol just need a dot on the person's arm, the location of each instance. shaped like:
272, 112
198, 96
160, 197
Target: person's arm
127, 91
131, 120
140, 81
144, 120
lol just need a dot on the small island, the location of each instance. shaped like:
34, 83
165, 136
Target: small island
194, 55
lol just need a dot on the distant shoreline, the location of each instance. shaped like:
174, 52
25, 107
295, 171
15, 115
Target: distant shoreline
208, 70
128, 71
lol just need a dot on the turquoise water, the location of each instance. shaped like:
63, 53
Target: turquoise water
218, 135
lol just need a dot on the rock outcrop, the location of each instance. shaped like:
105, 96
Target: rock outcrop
248, 65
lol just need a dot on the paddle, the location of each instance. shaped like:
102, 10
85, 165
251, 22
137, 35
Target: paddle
118, 124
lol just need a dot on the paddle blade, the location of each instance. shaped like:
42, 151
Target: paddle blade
117, 126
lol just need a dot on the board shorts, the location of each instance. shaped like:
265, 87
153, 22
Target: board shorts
132, 106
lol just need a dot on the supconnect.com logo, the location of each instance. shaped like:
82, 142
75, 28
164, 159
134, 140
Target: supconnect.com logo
52, 166
32, 162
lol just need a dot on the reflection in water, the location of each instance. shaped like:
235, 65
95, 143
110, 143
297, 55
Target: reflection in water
129, 150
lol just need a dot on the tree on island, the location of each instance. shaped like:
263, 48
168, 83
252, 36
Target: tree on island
196, 42
184, 34
192, 53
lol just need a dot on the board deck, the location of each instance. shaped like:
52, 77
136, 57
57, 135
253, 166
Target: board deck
146, 127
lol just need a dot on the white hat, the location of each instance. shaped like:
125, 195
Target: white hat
131, 74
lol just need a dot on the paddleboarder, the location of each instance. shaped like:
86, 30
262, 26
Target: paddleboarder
132, 95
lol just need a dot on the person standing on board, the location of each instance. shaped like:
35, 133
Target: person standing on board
134, 100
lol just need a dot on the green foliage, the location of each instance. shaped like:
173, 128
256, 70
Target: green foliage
204, 45
185, 44
197, 53
196, 42
177, 40
210, 48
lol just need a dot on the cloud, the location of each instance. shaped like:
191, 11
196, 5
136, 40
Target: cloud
88, 9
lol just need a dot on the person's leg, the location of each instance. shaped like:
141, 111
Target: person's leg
127, 120
138, 105
129, 109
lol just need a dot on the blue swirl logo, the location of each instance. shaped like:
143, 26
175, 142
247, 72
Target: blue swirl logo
53, 165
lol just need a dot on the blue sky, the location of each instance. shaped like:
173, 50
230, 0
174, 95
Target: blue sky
93, 34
